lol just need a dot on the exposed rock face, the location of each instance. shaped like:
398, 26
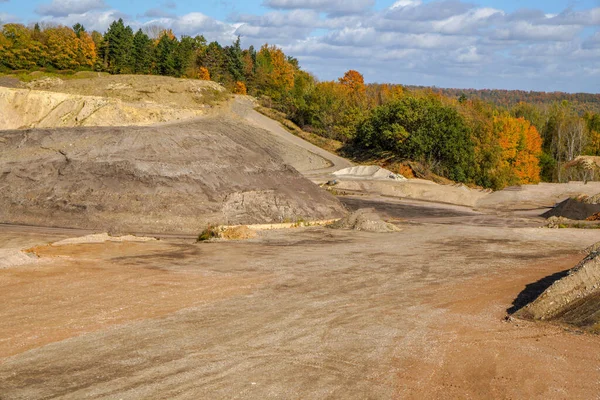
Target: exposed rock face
175, 178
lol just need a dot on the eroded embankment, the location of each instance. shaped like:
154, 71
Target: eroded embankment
105, 101
573, 299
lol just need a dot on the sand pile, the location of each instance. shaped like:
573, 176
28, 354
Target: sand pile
15, 257
577, 208
170, 179
574, 299
367, 172
101, 238
364, 219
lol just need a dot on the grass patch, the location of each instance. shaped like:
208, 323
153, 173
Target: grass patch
211, 232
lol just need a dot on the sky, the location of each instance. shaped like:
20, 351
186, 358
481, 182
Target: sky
544, 45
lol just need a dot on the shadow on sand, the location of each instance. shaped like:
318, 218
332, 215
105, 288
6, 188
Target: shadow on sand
534, 290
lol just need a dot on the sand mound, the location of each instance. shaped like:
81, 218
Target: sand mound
176, 178
574, 208
574, 299
364, 219
542, 195
101, 238
367, 172
15, 257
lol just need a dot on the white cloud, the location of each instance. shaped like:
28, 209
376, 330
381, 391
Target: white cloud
63, 8
330, 6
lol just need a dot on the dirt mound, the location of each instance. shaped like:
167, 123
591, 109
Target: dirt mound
106, 101
574, 299
175, 178
573, 208
101, 238
364, 219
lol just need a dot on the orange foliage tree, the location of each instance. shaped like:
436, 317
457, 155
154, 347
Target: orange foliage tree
240, 88
521, 146
203, 74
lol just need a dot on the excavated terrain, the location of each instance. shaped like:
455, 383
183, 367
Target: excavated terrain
574, 299
176, 178
408, 299
106, 101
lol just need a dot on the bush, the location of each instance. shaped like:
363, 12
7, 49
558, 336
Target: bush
419, 129
211, 232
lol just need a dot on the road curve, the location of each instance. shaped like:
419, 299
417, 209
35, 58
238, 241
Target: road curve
243, 107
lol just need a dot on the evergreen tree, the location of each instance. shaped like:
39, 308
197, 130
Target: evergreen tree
185, 56
78, 29
142, 53
235, 60
116, 49
213, 58
165, 56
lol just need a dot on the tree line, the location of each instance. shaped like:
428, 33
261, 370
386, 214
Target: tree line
453, 134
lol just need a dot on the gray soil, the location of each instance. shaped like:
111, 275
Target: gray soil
175, 178
574, 209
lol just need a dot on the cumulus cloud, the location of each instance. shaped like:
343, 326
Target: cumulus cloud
196, 23
92, 20
158, 13
329, 6
62, 8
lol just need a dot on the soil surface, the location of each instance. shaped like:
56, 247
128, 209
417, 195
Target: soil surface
175, 178
573, 209
301, 313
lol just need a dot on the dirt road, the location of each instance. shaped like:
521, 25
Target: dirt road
244, 108
306, 313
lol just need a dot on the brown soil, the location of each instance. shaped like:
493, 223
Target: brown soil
305, 313
573, 299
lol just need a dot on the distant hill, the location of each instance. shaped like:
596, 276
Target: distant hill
508, 98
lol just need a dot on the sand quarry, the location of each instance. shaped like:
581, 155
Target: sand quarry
419, 290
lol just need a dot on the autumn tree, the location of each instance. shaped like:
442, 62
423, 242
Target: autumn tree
240, 88
521, 146
203, 74
274, 74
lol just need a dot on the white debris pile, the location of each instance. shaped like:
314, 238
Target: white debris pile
368, 172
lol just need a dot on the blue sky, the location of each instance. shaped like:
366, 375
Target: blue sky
531, 45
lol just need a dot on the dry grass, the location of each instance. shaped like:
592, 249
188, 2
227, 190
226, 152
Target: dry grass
331, 145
